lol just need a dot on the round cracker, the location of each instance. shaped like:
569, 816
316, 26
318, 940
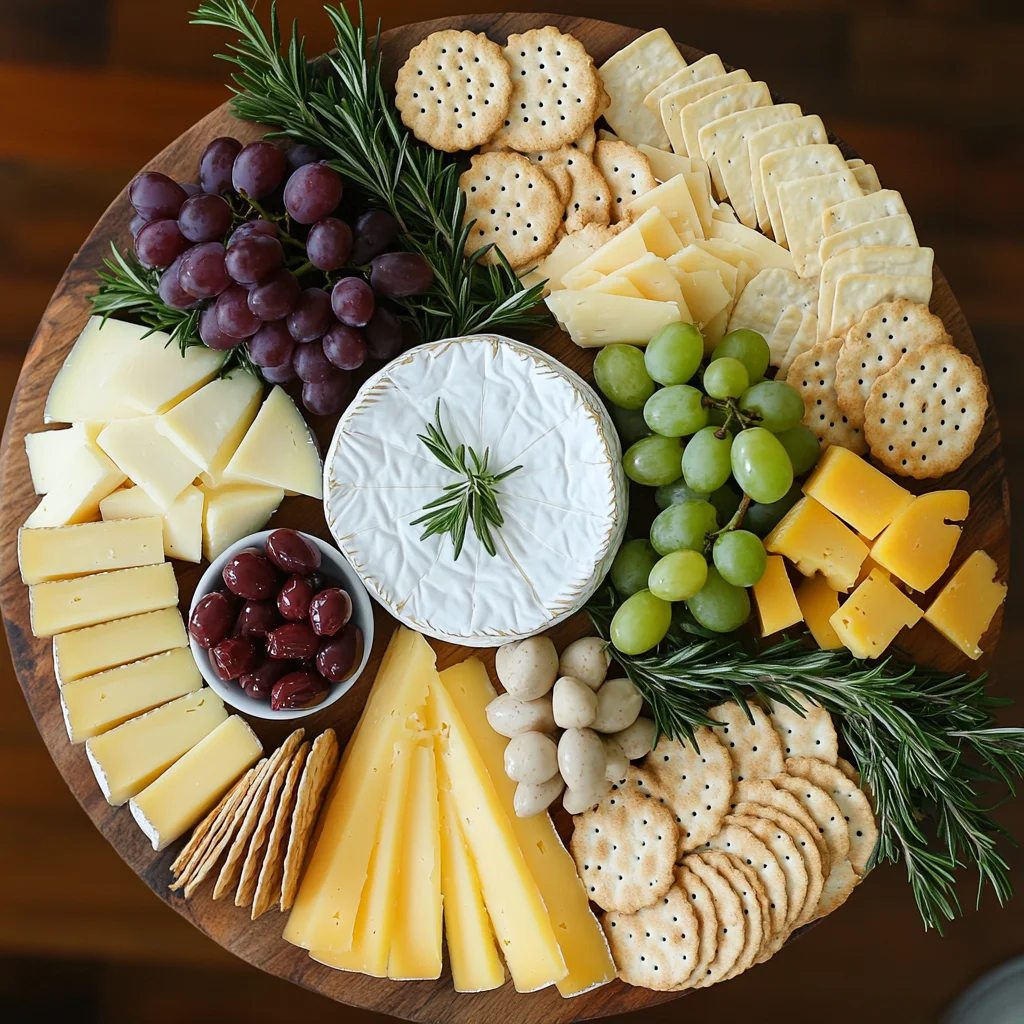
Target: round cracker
826, 814
703, 903
551, 162
729, 921
628, 173
591, 198
807, 734
753, 902
840, 883
587, 139
754, 746
813, 374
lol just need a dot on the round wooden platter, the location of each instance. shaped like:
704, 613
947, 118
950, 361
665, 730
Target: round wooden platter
260, 942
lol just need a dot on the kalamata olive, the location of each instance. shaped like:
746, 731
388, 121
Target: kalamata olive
293, 640
293, 599
250, 576
297, 690
292, 552
210, 621
329, 611
233, 657
317, 580
257, 618
260, 681
339, 655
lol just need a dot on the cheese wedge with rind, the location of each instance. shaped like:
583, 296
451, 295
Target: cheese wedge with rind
966, 605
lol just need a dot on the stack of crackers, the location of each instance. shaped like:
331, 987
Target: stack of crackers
708, 856
262, 827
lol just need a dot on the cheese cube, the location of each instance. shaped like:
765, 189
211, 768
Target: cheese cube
96, 703
777, 605
131, 756
673, 199
86, 478
593, 319
68, 551
178, 799
967, 603
862, 496
50, 451
816, 541
151, 460
919, 543
182, 522
818, 603
234, 511
872, 616
87, 600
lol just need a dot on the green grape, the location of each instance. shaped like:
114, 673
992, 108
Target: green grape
762, 519
653, 461
640, 623
802, 448
706, 463
683, 527
632, 565
621, 375
726, 501
748, 347
760, 464
629, 424
719, 605
679, 575
726, 378
780, 406
740, 557
673, 494
676, 411
673, 355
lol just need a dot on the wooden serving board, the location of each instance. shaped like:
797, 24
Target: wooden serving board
260, 943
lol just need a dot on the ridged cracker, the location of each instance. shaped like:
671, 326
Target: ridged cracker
627, 172
701, 899
730, 924
454, 90
591, 198
810, 734
757, 921
922, 418
754, 747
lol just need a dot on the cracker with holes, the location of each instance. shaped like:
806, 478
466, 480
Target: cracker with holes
923, 417
625, 849
553, 164
729, 920
757, 920
824, 811
753, 745
703, 904
454, 90
515, 206
627, 172
696, 784
808, 732
841, 882
591, 198
556, 91
813, 374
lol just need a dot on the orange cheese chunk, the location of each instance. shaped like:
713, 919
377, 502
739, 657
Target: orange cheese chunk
818, 603
814, 540
966, 604
917, 546
872, 616
854, 490
777, 606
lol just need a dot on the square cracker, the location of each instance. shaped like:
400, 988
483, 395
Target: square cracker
802, 203
800, 131
672, 104
789, 165
867, 178
782, 334
709, 66
800, 343
730, 100
896, 230
813, 374
857, 293
872, 206
768, 293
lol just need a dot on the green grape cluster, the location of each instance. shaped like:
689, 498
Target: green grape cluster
722, 446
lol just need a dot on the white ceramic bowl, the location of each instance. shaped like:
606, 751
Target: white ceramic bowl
334, 566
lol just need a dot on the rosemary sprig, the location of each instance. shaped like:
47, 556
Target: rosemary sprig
469, 500
924, 741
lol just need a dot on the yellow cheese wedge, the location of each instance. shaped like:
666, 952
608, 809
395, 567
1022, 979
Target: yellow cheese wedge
653, 279
577, 931
818, 603
862, 496
919, 543
170, 806
692, 258
816, 541
872, 616
617, 252
705, 294
777, 605
87, 478
869, 564
571, 251
50, 451
765, 252
594, 319
659, 236
615, 285
233, 511
967, 603
182, 521
673, 199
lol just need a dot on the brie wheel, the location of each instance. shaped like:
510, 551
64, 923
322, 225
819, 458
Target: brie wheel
564, 510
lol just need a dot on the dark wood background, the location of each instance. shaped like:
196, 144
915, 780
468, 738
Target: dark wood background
928, 90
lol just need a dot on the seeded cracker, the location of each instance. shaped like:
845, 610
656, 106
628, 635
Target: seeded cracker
699, 895
754, 747
814, 375
753, 904
810, 734
454, 90
627, 172
728, 919
923, 417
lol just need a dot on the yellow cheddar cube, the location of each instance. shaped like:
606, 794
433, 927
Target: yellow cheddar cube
777, 606
917, 546
854, 490
818, 603
869, 563
814, 540
872, 616
966, 604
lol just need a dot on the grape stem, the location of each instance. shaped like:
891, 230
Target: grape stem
732, 410
734, 524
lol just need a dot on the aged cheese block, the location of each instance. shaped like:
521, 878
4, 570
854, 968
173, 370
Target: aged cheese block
967, 603
777, 606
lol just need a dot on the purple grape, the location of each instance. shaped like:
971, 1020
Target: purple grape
170, 290
352, 301
191, 188
159, 243
311, 315
202, 272
211, 334
136, 224
384, 336
283, 374
234, 318
155, 196
253, 257
376, 232
258, 169
326, 397
216, 162
275, 296
400, 274
301, 154
329, 244
204, 217
252, 227
311, 365
272, 346
312, 192
345, 347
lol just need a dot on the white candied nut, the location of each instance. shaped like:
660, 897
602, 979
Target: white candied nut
586, 660
637, 739
528, 671
503, 658
573, 704
581, 759
618, 704
510, 717
531, 757
576, 801
615, 769
532, 798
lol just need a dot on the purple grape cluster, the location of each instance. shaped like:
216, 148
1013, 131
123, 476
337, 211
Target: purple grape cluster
299, 286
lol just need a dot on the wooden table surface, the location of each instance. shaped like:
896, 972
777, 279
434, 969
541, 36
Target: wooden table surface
90, 89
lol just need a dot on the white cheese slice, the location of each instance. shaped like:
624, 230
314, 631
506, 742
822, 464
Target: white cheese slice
50, 451
87, 478
234, 511
594, 319
564, 510
182, 522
